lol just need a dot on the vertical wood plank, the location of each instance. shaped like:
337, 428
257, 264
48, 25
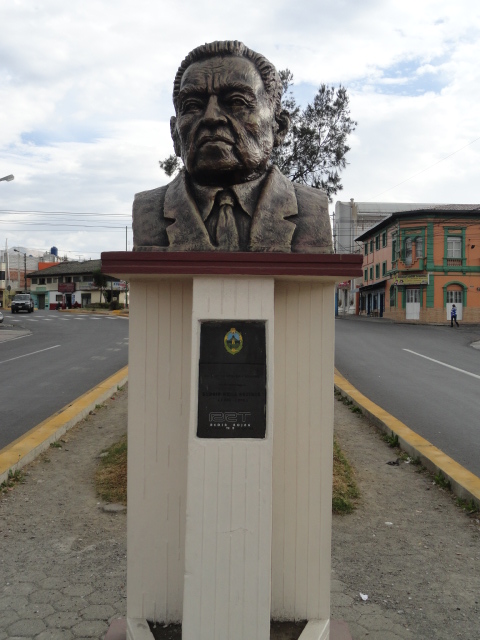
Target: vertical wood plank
302, 460
233, 516
158, 428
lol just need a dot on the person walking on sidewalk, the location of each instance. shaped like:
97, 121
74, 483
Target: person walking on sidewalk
453, 316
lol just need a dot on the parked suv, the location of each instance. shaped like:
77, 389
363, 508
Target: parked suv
22, 302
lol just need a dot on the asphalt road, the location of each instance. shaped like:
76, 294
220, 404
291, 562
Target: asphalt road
403, 368
65, 355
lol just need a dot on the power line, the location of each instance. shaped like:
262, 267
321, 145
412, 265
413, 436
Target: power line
426, 169
70, 213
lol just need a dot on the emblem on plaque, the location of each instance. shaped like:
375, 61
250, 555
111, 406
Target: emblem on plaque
233, 341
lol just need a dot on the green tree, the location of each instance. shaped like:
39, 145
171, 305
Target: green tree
315, 147
100, 280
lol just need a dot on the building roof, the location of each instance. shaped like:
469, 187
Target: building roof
460, 209
382, 208
69, 268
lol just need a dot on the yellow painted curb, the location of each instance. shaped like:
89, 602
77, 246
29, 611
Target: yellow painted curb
27, 447
464, 484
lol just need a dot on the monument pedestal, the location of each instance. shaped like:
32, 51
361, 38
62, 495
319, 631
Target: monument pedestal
225, 533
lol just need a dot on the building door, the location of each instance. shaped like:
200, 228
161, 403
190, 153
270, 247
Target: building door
382, 304
413, 304
457, 298
41, 301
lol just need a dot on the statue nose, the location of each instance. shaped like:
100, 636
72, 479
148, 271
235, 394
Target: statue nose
214, 111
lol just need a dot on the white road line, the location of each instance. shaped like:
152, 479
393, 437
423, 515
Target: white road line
29, 354
444, 364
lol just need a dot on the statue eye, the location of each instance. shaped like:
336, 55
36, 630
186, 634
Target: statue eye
237, 100
191, 104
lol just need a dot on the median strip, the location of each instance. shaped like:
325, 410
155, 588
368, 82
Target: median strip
27, 447
464, 484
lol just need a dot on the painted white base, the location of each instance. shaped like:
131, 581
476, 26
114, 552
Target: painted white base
315, 630
138, 629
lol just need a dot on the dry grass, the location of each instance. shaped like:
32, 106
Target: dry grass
111, 478
345, 489
111, 474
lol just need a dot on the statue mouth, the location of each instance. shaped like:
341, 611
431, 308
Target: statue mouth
214, 139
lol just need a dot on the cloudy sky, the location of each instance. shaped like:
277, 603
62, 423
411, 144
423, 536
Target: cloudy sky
85, 101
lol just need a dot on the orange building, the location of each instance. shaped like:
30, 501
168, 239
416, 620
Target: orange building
416, 264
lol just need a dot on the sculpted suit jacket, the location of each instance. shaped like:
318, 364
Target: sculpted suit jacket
288, 218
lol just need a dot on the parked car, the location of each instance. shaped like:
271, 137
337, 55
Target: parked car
22, 302
1, 316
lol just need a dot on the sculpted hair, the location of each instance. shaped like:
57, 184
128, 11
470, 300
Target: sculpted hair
265, 68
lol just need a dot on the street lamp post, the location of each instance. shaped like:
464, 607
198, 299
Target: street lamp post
7, 178
25, 269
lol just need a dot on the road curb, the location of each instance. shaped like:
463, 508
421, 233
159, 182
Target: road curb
26, 448
464, 484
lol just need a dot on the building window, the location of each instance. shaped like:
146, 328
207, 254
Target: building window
377, 271
371, 245
384, 268
408, 251
34, 280
41, 281
454, 297
365, 275
394, 248
77, 278
384, 239
392, 296
371, 273
68, 278
377, 243
419, 247
49, 281
454, 248
366, 248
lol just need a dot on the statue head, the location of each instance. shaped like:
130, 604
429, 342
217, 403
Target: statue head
228, 118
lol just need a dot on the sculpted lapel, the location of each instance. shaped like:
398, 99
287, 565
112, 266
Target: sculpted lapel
270, 231
188, 232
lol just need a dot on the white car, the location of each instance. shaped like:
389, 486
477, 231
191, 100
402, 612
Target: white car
1, 316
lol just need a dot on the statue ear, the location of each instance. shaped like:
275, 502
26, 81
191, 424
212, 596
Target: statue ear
175, 138
283, 124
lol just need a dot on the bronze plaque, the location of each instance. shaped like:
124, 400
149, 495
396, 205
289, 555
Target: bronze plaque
232, 393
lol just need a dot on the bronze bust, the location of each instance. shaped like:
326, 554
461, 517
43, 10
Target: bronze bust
229, 197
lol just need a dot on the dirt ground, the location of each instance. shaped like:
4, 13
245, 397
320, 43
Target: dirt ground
408, 548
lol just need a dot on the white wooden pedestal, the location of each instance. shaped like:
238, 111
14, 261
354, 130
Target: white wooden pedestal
225, 534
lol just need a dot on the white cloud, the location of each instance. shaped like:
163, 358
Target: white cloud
86, 88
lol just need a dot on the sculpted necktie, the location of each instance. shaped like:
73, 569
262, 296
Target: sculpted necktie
227, 233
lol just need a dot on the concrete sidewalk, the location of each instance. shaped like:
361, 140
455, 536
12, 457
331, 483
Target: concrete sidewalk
405, 564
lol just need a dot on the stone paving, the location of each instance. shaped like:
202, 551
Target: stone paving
62, 556
408, 548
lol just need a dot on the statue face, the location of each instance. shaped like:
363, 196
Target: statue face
225, 124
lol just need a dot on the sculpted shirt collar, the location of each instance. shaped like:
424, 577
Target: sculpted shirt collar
247, 194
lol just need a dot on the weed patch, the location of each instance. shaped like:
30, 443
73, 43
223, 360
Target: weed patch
345, 489
468, 505
391, 440
111, 474
442, 481
14, 477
